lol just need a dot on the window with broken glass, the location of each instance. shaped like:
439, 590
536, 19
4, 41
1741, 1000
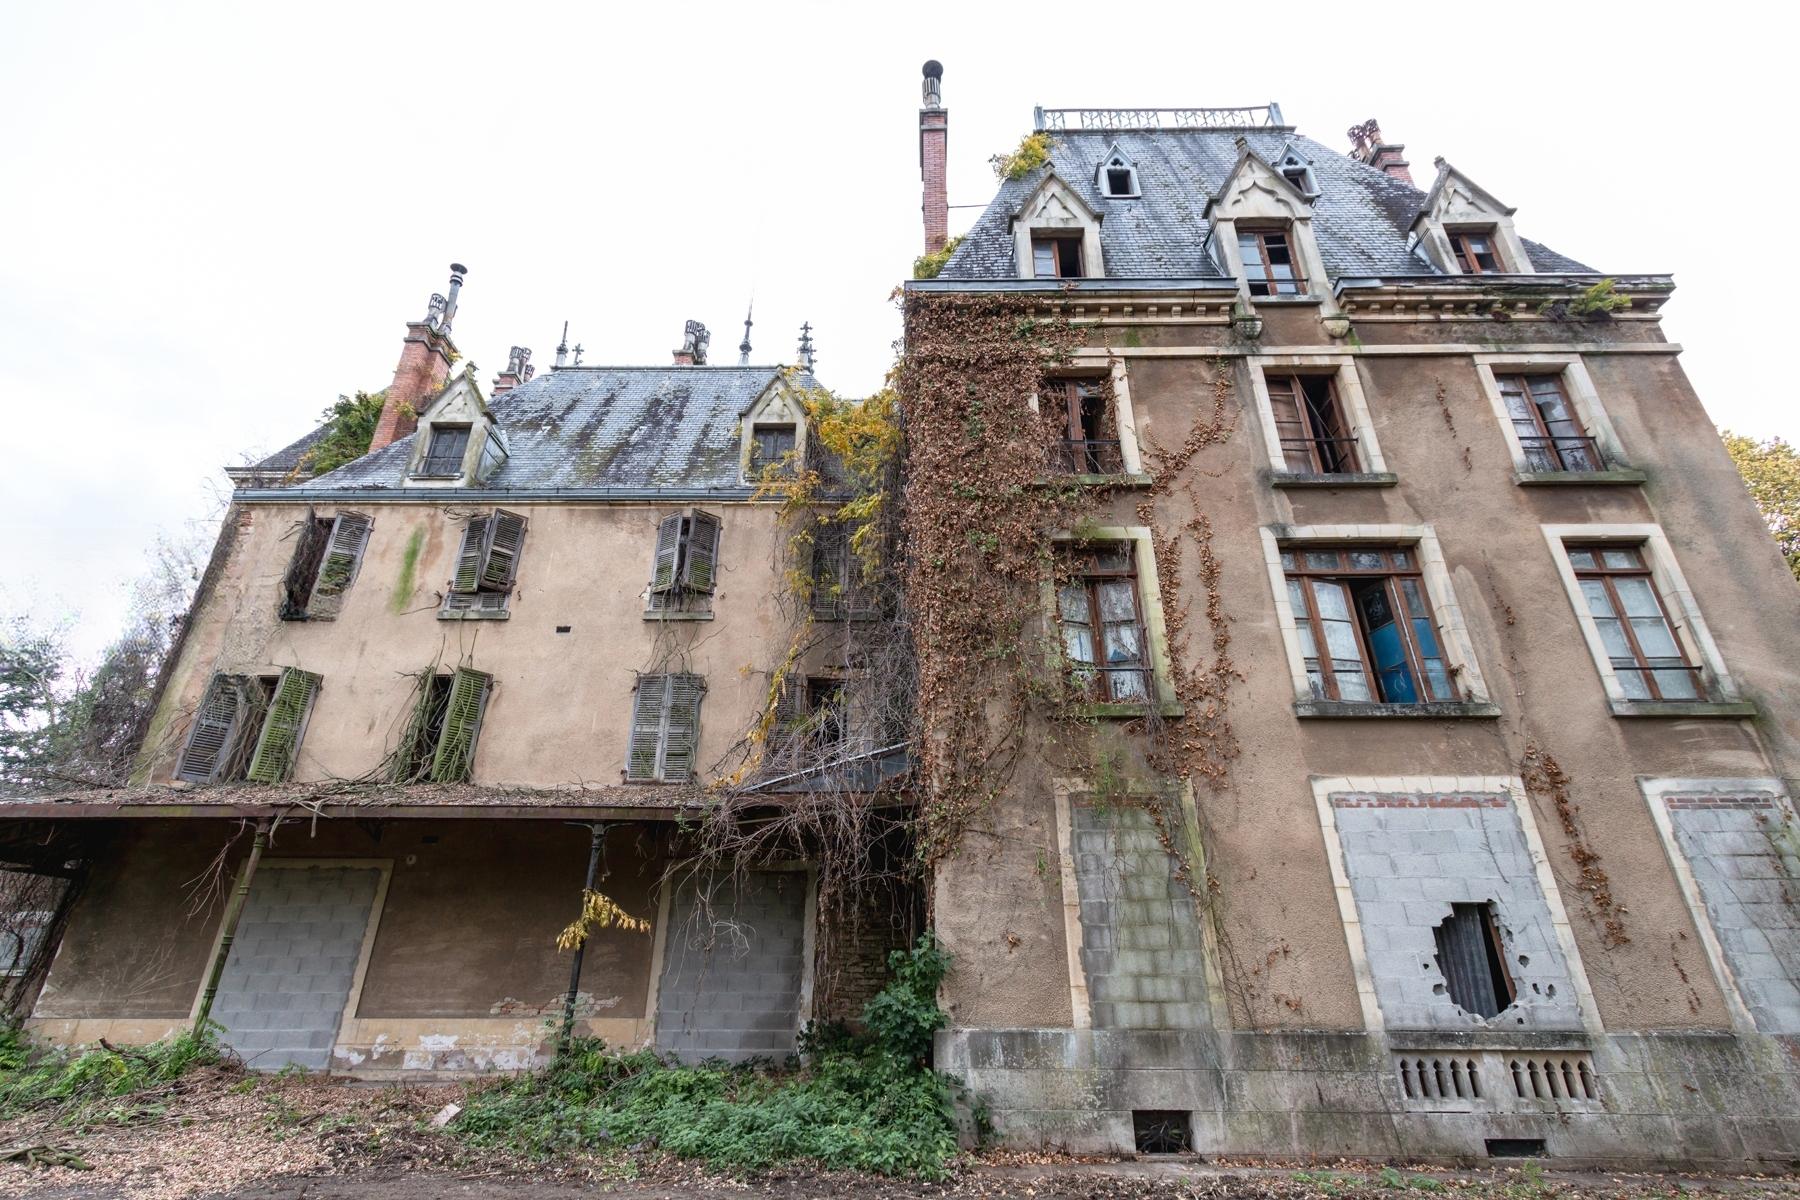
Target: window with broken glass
1365, 625
1089, 442
1056, 256
1472, 957
1475, 252
684, 569
444, 452
1550, 436
1642, 647
1103, 625
1316, 438
1270, 265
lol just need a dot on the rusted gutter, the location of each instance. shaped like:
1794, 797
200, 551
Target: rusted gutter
234, 911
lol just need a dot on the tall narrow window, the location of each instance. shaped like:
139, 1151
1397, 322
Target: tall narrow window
665, 728
278, 745
1365, 625
1475, 253
411, 762
772, 449
444, 451
1090, 429
1646, 655
839, 590
1472, 957
1102, 625
685, 567
1270, 266
453, 759
486, 566
809, 718
327, 553
1056, 256
1309, 420
1549, 434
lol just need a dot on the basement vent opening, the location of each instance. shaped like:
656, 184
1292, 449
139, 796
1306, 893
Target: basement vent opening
1567, 1077
1162, 1131
564, 628
1439, 1078
1515, 1148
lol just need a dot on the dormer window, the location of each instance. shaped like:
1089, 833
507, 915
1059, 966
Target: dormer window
445, 450
772, 446
1298, 171
1475, 251
1056, 256
1117, 176
1269, 262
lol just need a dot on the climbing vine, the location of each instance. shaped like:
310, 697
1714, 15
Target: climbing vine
1544, 776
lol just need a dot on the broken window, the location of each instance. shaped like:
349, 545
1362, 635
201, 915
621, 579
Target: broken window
772, 450
1090, 429
665, 728
1102, 625
1270, 268
1316, 438
248, 727
1646, 655
1549, 434
839, 590
1472, 958
1475, 253
809, 718
685, 567
486, 566
1056, 256
327, 553
411, 762
1365, 625
444, 451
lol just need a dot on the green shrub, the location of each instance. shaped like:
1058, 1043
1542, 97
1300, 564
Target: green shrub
904, 1015
94, 1086
927, 266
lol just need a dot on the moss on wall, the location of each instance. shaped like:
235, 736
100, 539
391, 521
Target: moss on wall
409, 572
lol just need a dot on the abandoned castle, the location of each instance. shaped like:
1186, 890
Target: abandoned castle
1374, 732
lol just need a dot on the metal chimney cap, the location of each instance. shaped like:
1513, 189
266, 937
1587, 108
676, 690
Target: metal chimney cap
458, 270
934, 69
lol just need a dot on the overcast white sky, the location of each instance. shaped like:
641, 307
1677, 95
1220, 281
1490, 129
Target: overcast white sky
216, 217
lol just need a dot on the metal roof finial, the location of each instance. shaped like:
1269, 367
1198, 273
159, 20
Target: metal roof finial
562, 347
806, 346
744, 346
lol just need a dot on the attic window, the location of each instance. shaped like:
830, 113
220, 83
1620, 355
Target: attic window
772, 448
1056, 256
1297, 171
1475, 252
444, 453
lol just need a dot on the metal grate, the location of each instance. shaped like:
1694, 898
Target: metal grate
1563, 1078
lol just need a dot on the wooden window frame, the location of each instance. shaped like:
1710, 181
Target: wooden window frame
1549, 444
1272, 286
430, 463
1311, 439
1465, 258
1079, 454
1391, 573
1605, 575
1100, 687
1058, 241
786, 462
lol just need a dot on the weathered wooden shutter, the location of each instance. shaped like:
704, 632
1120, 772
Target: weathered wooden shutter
701, 562
668, 553
790, 712
455, 754
681, 725
273, 760
214, 733
469, 558
647, 709
505, 538
297, 584
343, 555
827, 571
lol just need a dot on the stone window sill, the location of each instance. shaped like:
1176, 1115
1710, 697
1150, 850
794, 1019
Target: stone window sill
472, 615
1628, 476
1682, 708
1126, 712
436, 475
653, 615
1358, 479
1360, 709
1281, 301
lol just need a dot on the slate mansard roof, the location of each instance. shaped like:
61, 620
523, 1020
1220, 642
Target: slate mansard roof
1361, 216
598, 427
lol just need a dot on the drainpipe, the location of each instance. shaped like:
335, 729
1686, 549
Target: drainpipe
234, 909
597, 832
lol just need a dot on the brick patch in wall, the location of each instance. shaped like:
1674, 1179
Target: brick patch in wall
1418, 800
1719, 801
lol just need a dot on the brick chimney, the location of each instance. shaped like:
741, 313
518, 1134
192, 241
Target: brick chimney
1388, 157
694, 341
518, 370
423, 368
934, 142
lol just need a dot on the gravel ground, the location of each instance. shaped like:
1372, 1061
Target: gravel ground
218, 1132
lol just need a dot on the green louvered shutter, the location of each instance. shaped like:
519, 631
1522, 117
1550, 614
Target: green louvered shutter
647, 708
701, 562
215, 731
668, 554
681, 727
790, 712
462, 723
343, 555
273, 759
297, 584
828, 571
469, 558
505, 538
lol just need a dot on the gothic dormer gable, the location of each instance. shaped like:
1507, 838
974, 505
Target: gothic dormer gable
458, 443
1116, 176
1463, 229
1455, 198
774, 431
1256, 191
1055, 205
1297, 169
1056, 234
